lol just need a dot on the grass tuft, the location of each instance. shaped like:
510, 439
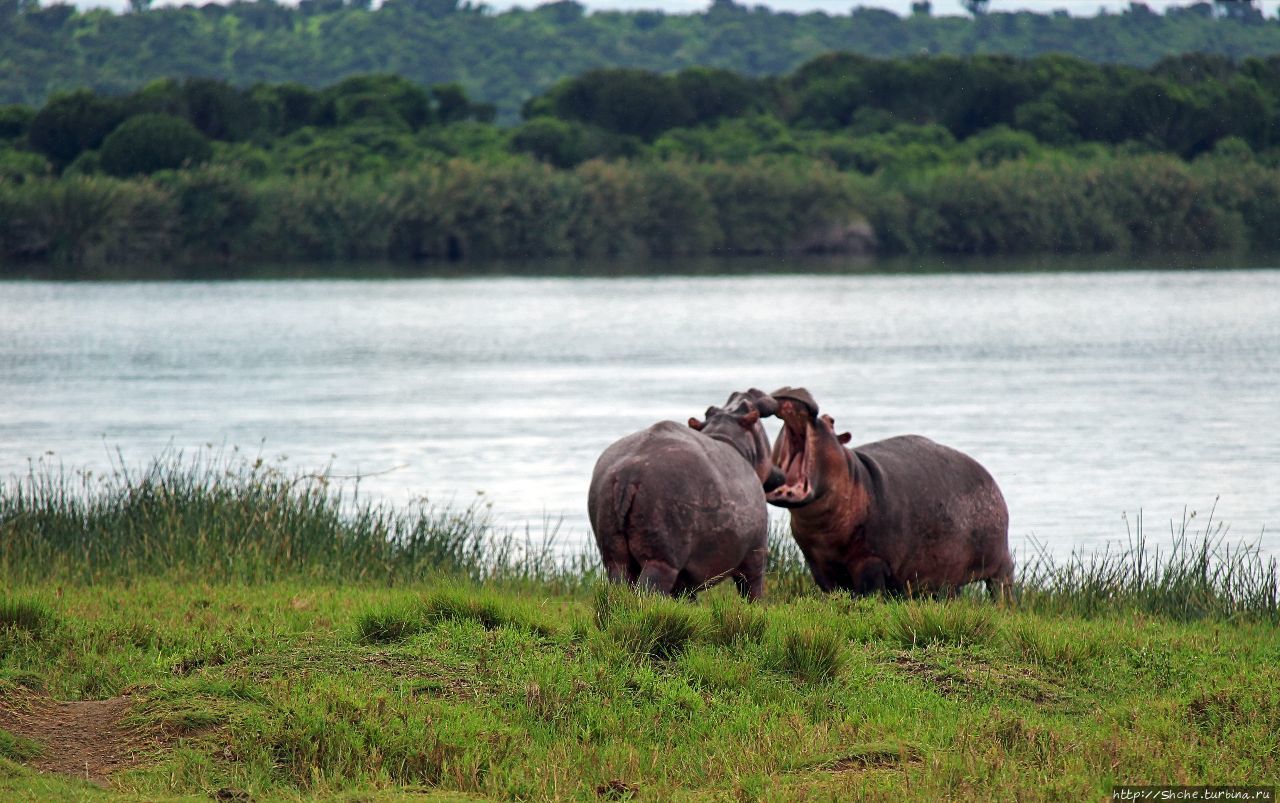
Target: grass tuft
223, 517
812, 655
733, 621
488, 609
389, 623
401, 620
651, 626
17, 748
1050, 647
921, 623
24, 614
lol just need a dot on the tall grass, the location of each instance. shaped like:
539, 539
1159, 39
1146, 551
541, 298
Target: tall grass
1200, 574
224, 517
24, 614
221, 517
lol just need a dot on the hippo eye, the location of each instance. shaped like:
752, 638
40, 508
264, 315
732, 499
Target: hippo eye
712, 410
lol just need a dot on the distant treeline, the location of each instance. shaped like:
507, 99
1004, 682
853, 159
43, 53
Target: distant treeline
505, 58
984, 154
853, 112
521, 210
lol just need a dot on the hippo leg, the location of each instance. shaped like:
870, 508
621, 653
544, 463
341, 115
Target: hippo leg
659, 576
622, 571
1000, 587
749, 576
870, 575
820, 576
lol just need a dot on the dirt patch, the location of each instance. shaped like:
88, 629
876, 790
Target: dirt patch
977, 676
873, 759
617, 789
83, 739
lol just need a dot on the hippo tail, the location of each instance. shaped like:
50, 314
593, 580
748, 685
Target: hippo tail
624, 500
613, 516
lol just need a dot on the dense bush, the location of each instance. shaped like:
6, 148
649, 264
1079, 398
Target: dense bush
519, 209
15, 121
85, 221
148, 143
71, 124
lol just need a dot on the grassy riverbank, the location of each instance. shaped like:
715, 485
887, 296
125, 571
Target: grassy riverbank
256, 633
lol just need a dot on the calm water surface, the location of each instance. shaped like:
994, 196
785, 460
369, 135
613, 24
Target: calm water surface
1088, 396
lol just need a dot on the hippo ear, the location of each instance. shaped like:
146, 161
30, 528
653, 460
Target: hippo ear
844, 437
695, 424
749, 420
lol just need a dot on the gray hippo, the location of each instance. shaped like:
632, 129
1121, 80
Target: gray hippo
903, 515
679, 508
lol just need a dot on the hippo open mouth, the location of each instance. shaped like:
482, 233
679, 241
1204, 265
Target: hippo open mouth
793, 455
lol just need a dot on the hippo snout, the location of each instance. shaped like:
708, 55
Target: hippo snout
775, 478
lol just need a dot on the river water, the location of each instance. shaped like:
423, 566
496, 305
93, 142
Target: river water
1089, 396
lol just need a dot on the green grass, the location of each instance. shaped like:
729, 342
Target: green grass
919, 625
275, 690
224, 517
24, 614
16, 748
257, 661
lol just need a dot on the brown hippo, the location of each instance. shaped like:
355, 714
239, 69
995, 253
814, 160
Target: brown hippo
678, 508
903, 515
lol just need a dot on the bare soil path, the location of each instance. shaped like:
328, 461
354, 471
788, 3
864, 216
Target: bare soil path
83, 739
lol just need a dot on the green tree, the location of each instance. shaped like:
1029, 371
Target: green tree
73, 123
150, 142
630, 102
15, 121
381, 97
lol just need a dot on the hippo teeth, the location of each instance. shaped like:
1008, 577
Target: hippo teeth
794, 461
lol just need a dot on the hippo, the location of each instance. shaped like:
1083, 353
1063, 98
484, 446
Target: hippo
677, 509
903, 515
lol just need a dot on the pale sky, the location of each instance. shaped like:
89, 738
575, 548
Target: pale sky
1085, 8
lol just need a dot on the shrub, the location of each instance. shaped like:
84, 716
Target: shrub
19, 166
150, 142
559, 143
216, 208
85, 221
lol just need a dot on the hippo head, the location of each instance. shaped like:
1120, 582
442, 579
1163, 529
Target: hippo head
808, 451
738, 424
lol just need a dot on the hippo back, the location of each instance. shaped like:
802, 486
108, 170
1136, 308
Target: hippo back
669, 493
938, 517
